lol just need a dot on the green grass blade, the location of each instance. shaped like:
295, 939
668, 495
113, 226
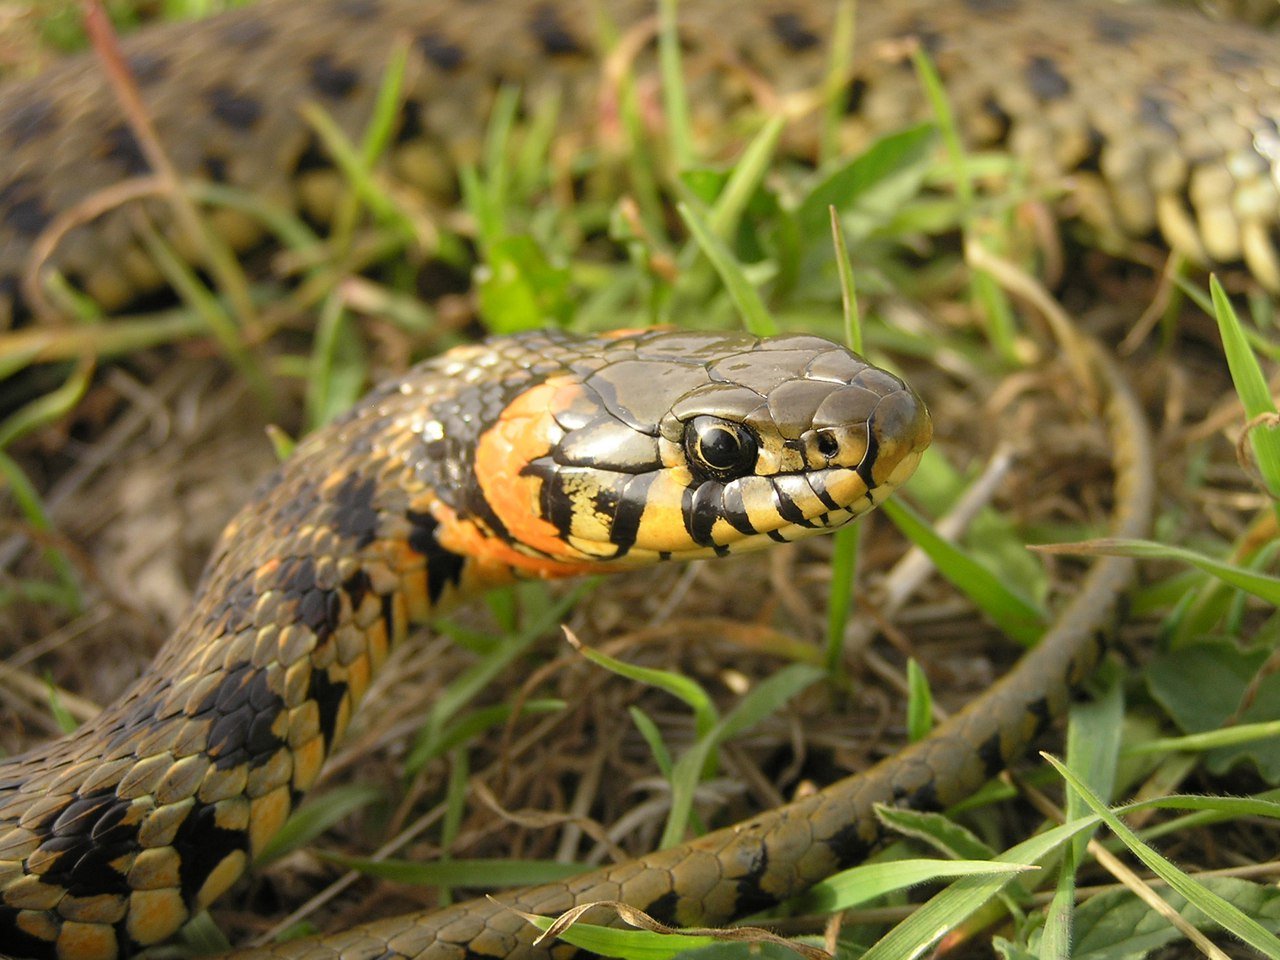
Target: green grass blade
755, 316
919, 702
952, 906
1251, 385
688, 691
1011, 612
762, 701
1229, 917
859, 885
1261, 585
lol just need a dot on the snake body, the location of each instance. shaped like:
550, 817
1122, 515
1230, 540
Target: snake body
1159, 121
539, 455
109, 839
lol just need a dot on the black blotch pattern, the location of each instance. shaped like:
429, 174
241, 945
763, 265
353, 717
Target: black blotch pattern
246, 33
202, 845
751, 898
922, 798
359, 9
148, 67
389, 615
328, 697
1042, 711
1230, 59
631, 507
868, 463
233, 611
702, 512
354, 514
29, 120
854, 94
848, 846
735, 511
357, 587
1154, 111
664, 908
318, 609
792, 32
1045, 79
993, 109
552, 35
444, 567
321, 612
121, 147
440, 52
330, 78
235, 110
557, 507
21, 943
1114, 31
215, 168
24, 211
991, 755
87, 835
244, 707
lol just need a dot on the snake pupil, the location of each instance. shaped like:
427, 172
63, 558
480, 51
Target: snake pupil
721, 449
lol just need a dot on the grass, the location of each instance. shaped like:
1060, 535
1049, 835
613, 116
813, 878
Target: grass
499, 743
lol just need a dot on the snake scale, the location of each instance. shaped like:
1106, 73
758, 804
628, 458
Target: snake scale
109, 839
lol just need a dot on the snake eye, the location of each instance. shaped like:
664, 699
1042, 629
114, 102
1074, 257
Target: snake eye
719, 448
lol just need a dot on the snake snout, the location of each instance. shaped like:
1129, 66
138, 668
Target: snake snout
899, 430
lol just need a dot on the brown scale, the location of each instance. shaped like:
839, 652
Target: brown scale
1158, 135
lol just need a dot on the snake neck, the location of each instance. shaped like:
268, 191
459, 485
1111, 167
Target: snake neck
1039, 78
116, 834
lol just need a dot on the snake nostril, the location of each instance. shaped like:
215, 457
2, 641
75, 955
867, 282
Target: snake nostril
828, 445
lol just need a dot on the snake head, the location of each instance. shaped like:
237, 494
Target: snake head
674, 444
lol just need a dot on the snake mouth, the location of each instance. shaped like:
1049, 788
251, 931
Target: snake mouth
832, 473
870, 464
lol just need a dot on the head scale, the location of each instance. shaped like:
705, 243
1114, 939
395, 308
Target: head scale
682, 444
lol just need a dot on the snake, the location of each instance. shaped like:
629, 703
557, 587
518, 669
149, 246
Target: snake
546, 454
1152, 136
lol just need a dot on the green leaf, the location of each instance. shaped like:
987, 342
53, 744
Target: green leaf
950, 908
1203, 686
1010, 611
873, 186
937, 830
858, 885
678, 685
626, 944
1116, 925
762, 701
1259, 584
1250, 384
519, 288
919, 702
1224, 913
755, 316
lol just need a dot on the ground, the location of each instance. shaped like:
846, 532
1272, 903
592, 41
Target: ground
136, 478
